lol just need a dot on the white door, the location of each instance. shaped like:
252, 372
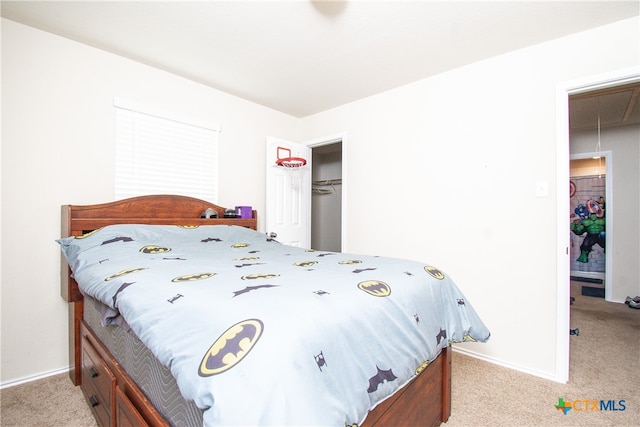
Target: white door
288, 193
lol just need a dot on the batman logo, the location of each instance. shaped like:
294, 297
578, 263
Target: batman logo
434, 272
379, 378
468, 337
254, 276
361, 270
376, 288
192, 277
153, 249
123, 272
231, 347
118, 239
239, 245
248, 264
120, 289
350, 261
189, 226
422, 367
305, 263
251, 288
84, 236
248, 258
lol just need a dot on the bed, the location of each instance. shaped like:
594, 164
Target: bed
140, 261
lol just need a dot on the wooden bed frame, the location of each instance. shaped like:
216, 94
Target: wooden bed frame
116, 400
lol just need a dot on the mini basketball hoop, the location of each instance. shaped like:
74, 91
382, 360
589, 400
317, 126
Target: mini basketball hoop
289, 161
292, 164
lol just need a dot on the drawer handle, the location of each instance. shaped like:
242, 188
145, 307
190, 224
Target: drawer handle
93, 401
93, 373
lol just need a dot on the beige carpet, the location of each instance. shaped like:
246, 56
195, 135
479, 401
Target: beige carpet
53, 401
605, 364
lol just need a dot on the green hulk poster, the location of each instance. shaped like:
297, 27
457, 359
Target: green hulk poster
588, 224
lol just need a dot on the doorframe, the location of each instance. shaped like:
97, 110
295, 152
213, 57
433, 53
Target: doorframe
610, 216
333, 139
563, 91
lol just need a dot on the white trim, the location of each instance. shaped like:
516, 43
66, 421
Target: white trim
32, 378
601, 81
563, 290
332, 139
610, 216
507, 365
563, 90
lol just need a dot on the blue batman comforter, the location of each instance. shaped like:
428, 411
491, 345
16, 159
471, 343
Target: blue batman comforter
260, 333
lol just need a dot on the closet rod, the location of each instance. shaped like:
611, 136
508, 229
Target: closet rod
336, 181
321, 191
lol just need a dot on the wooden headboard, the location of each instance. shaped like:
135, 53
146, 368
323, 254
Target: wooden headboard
156, 209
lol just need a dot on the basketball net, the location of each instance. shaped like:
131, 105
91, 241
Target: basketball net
292, 165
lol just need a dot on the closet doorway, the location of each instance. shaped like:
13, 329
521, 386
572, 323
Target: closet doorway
566, 138
326, 196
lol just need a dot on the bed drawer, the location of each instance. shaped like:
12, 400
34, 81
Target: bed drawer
98, 384
126, 413
426, 390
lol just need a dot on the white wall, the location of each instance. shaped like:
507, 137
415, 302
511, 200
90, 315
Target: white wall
624, 144
459, 154
58, 134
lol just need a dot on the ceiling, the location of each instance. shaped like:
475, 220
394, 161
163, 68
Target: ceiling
302, 57
615, 106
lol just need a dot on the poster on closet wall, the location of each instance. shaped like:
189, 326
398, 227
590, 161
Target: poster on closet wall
588, 224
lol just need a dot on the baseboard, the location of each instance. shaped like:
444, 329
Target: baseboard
507, 365
466, 352
31, 378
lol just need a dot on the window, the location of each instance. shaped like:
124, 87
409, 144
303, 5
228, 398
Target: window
160, 154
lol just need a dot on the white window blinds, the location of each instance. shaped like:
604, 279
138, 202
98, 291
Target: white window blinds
159, 154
